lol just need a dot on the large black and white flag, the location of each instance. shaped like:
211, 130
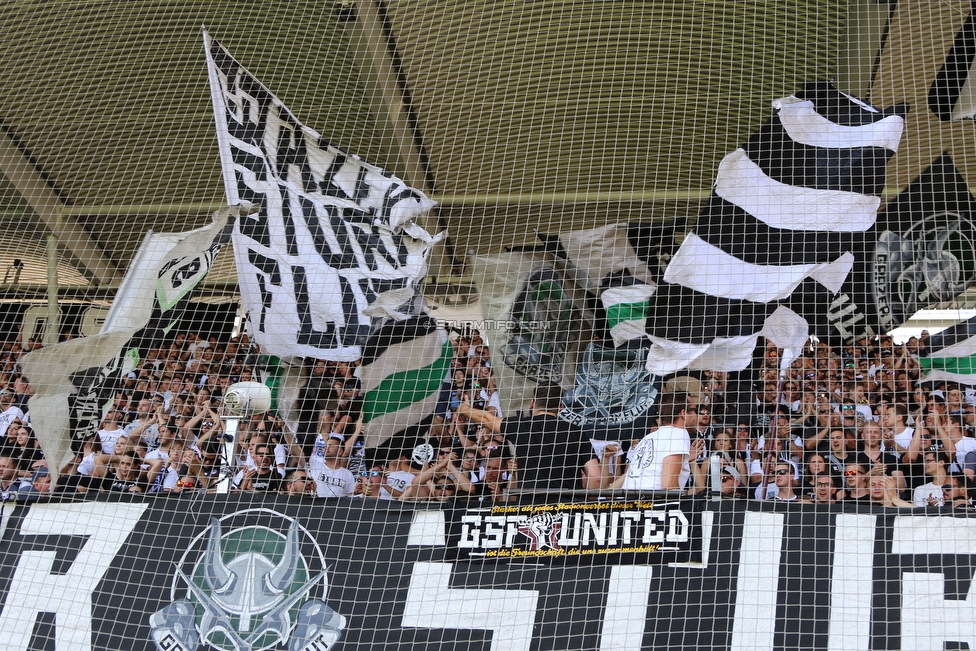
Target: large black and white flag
785, 211
335, 235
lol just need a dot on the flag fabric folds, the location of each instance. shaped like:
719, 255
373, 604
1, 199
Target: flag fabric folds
334, 234
950, 355
545, 316
625, 301
591, 255
75, 380
950, 369
955, 341
627, 260
785, 211
531, 321
403, 367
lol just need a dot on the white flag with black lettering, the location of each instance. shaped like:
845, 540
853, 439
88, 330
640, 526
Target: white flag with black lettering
334, 233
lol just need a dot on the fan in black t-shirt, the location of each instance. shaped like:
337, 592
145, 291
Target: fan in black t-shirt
550, 452
263, 476
125, 479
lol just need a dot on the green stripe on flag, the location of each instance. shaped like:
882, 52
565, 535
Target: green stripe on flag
405, 388
955, 365
621, 312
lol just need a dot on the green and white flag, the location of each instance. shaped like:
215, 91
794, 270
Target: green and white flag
950, 369
624, 300
404, 365
950, 355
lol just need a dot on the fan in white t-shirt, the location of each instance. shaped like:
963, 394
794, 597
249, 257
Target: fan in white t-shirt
660, 461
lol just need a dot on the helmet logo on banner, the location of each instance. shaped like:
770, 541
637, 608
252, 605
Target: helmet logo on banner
543, 316
252, 588
931, 262
613, 387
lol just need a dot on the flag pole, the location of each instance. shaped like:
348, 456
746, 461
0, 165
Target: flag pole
770, 457
228, 448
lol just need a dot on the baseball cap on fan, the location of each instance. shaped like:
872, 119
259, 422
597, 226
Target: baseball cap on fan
731, 470
689, 384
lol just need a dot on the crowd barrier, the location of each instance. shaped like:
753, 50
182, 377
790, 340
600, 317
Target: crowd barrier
239, 572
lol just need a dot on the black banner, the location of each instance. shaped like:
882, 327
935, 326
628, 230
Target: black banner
352, 574
576, 531
921, 252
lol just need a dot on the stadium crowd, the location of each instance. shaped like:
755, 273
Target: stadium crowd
850, 425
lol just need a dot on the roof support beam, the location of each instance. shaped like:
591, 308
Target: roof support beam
369, 34
867, 21
38, 193
390, 101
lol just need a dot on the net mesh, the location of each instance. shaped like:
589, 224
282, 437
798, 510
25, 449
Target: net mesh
503, 325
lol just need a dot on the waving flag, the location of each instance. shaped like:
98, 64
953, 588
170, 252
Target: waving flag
334, 235
620, 265
641, 248
403, 367
785, 211
74, 380
951, 354
626, 301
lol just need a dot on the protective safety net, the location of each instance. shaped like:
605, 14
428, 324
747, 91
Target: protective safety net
556, 324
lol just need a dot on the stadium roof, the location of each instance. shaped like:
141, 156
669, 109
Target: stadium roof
514, 115
522, 113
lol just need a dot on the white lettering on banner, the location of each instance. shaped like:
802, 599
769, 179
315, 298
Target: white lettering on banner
651, 521
928, 619
851, 583
757, 582
844, 315
678, 526
34, 589
626, 611
916, 536
169, 643
432, 603
707, 520
586, 530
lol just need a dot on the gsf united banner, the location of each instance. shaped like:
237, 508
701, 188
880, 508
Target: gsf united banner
575, 530
334, 234
291, 574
